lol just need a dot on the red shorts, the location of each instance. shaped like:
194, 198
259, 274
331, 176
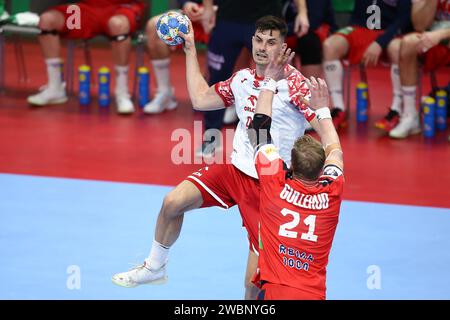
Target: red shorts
199, 33
436, 57
271, 291
224, 185
322, 32
359, 39
94, 19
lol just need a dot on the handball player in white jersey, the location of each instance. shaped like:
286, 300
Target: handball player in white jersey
226, 185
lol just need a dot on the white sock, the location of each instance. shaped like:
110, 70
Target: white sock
54, 73
162, 74
409, 100
333, 75
396, 89
158, 255
121, 80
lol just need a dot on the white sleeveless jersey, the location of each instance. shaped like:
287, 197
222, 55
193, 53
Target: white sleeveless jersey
289, 114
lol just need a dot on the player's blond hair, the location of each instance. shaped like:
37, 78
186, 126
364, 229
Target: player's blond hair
307, 158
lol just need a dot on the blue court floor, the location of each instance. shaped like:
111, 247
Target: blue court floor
65, 238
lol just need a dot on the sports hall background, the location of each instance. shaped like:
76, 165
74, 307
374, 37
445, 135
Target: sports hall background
80, 190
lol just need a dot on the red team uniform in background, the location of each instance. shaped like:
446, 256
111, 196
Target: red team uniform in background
95, 15
439, 55
297, 227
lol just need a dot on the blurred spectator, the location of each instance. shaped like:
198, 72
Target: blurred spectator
374, 24
430, 44
159, 52
309, 22
116, 19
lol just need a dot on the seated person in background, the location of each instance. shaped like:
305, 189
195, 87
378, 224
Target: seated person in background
431, 20
359, 44
116, 19
309, 22
202, 18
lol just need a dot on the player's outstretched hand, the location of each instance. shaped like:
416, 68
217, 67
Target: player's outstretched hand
320, 97
278, 63
189, 42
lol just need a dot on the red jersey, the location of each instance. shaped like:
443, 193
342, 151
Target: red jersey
105, 3
443, 10
297, 223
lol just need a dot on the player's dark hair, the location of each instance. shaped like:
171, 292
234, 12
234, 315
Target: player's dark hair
272, 23
307, 157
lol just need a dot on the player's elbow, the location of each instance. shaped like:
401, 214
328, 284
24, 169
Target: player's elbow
196, 105
198, 101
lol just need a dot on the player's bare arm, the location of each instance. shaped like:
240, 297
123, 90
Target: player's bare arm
431, 38
301, 26
319, 102
422, 14
202, 96
208, 19
275, 71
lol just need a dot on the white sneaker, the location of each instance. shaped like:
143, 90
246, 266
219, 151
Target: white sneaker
124, 104
162, 101
408, 125
230, 115
207, 149
140, 275
48, 96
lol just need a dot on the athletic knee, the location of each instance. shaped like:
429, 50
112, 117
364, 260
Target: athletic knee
394, 50
153, 40
171, 204
332, 49
118, 25
51, 20
150, 28
409, 46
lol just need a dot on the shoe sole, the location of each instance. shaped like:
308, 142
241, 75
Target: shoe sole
170, 107
125, 112
380, 126
383, 127
154, 282
410, 133
56, 101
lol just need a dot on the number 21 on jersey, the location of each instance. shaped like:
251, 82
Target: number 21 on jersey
286, 228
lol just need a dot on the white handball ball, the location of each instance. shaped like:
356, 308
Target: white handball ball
169, 25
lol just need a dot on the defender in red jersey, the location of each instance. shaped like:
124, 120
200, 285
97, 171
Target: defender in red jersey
226, 185
299, 208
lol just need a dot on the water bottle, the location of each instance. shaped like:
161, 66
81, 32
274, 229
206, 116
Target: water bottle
441, 110
61, 71
429, 119
143, 86
361, 102
84, 79
104, 94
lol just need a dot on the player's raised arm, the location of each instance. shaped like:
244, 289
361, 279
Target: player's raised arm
202, 96
319, 102
275, 71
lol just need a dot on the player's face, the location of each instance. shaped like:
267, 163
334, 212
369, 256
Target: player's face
266, 44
